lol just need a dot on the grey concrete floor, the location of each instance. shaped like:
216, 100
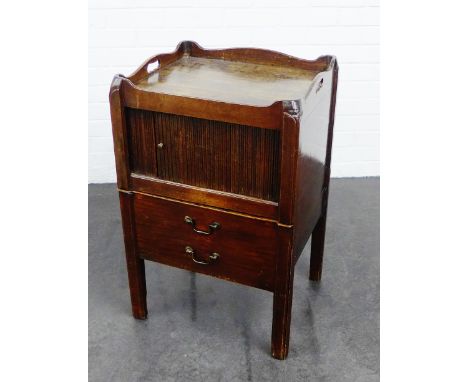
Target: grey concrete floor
204, 329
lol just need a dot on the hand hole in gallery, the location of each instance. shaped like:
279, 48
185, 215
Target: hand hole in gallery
319, 86
152, 66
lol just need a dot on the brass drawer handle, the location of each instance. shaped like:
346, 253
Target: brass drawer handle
212, 258
213, 226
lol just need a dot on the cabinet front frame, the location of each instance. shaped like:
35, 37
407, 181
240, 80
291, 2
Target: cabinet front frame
124, 94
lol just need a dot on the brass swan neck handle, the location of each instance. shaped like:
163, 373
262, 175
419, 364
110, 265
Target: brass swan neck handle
211, 259
212, 227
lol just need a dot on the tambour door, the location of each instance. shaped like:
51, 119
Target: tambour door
214, 155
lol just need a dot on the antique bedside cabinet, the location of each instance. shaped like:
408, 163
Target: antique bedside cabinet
223, 165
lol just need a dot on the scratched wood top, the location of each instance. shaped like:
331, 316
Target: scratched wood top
242, 83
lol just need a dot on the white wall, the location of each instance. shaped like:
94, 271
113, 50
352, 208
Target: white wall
123, 33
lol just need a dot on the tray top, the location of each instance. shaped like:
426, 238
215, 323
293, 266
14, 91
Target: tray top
243, 83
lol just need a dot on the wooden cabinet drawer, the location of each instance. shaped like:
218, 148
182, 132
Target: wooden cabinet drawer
246, 247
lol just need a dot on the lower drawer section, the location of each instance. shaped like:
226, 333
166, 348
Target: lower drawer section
199, 239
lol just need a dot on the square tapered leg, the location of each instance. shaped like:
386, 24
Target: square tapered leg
135, 265
283, 295
317, 248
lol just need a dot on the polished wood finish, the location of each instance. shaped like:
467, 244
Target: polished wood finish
283, 294
235, 139
268, 117
318, 234
215, 155
314, 156
247, 247
228, 201
135, 265
200, 77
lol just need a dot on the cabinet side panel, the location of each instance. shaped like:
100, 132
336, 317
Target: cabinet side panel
312, 160
210, 154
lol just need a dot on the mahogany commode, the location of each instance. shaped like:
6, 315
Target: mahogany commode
223, 166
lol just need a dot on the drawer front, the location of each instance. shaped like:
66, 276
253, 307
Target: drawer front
228, 246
